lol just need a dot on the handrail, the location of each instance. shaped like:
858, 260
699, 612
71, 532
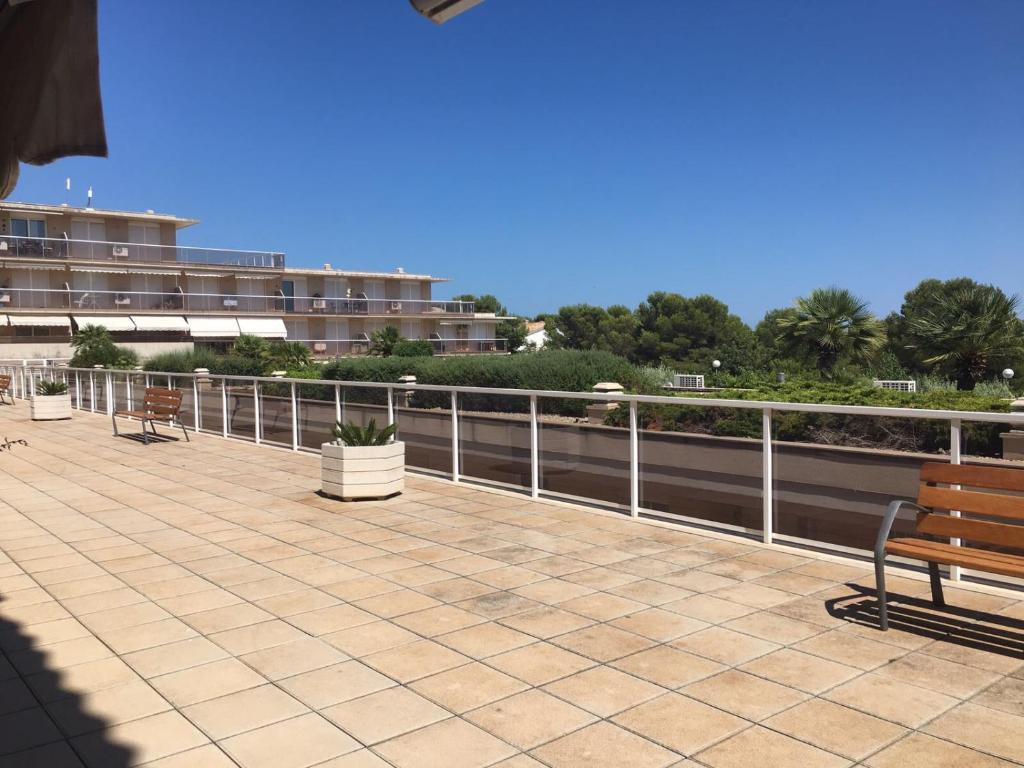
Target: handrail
28, 238
754, 405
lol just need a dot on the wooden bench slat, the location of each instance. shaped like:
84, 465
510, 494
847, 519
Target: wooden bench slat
994, 504
996, 478
949, 554
984, 531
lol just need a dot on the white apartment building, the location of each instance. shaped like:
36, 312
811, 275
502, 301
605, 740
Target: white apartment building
63, 267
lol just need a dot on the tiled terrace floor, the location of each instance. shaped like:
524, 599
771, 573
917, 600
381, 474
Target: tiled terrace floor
200, 605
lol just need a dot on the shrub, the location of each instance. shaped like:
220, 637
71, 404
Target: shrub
565, 370
383, 341
253, 347
183, 360
413, 348
354, 435
94, 346
51, 388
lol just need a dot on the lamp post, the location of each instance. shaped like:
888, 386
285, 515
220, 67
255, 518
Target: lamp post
715, 365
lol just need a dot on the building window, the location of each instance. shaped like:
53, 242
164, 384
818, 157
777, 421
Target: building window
28, 228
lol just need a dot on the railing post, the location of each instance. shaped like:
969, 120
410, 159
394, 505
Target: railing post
256, 409
955, 446
391, 406
767, 476
534, 450
128, 390
224, 407
295, 421
92, 391
634, 461
337, 403
110, 393
195, 403
455, 436
78, 390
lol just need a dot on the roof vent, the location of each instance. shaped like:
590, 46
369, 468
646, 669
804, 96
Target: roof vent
150, 210
400, 270
328, 267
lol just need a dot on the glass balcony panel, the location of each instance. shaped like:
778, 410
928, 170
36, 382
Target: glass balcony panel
834, 475
241, 411
275, 413
210, 413
494, 439
316, 414
580, 460
425, 426
699, 463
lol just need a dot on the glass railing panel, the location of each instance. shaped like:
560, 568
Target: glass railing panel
316, 414
699, 463
581, 457
494, 439
241, 410
835, 474
275, 413
210, 405
425, 426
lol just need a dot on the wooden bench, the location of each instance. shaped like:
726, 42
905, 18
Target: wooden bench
942, 507
5, 383
157, 405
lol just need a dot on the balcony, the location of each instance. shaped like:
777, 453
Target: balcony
187, 601
323, 348
61, 249
178, 301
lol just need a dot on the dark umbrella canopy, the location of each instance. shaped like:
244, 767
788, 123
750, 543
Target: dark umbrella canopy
50, 88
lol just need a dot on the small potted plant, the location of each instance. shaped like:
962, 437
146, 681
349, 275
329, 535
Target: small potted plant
51, 401
363, 462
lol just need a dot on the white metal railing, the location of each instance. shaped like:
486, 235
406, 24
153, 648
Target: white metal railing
362, 346
109, 250
177, 300
96, 390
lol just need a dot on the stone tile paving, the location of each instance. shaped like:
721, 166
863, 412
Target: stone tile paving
200, 605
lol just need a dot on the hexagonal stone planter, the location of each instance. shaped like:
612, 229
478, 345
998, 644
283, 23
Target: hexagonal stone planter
352, 472
50, 407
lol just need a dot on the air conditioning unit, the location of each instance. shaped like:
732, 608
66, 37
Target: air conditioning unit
396, 306
120, 251
319, 303
122, 301
230, 302
689, 381
908, 385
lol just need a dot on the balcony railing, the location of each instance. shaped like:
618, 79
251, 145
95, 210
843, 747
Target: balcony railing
179, 301
59, 248
803, 492
362, 346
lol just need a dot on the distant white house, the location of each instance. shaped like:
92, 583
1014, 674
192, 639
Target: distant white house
536, 336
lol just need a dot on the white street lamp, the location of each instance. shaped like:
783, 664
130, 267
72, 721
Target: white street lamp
1008, 373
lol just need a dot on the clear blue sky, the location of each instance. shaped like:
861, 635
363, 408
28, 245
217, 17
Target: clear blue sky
553, 152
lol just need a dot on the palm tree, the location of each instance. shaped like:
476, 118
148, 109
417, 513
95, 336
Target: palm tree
968, 332
829, 326
383, 341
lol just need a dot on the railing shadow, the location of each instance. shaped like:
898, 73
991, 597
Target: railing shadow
967, 627
33, 732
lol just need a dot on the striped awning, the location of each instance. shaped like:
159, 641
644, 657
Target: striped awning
267, 327
213, 327
110, 322
160, 323
40, 321
104, 270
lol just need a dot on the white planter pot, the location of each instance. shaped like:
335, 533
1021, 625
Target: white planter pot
50, 407
362, 472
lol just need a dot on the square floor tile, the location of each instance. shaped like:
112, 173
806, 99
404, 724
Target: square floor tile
385, 714
540, 663
753, 698
681, 723
759, 746
452, 743
218, 678
337, 683
415, 660
838, 729
531, 718
890, 699
604, 691
604, 745
297, 743
243, 711
467, 687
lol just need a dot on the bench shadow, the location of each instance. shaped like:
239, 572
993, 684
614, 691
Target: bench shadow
32, 735
158, 438
967, 627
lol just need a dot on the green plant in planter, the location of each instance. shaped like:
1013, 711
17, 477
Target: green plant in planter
51, 388
352, 434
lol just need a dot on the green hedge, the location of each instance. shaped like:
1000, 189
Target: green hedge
564, 370
923, 435
188, 361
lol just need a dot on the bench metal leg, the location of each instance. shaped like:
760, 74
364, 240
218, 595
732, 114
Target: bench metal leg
185, 432
113, 420
933, 574
145, 434
883, 613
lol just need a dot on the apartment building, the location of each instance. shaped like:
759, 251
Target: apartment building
62, 268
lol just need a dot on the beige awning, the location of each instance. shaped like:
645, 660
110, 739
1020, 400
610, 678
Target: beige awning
104, 270
111, 322
40, 321
160, 323
267, 327
213, 327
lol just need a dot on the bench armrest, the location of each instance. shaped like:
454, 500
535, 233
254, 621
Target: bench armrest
887, 521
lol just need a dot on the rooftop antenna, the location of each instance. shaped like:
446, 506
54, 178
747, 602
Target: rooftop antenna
67, 189
88, 203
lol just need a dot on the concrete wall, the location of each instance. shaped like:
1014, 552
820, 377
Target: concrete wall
42, 349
